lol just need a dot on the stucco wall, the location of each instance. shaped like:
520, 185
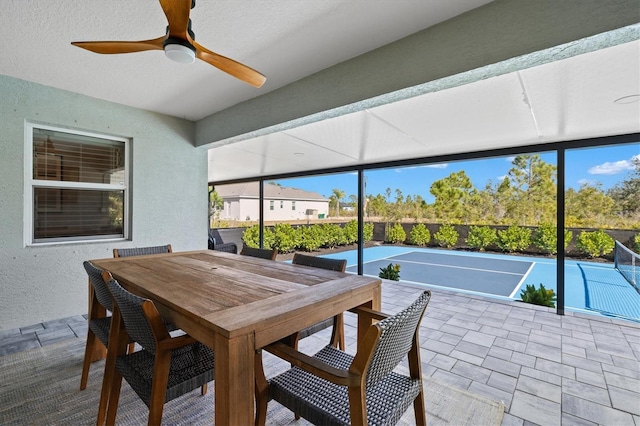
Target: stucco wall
168, 187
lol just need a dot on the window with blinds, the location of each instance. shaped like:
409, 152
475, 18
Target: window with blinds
78, 185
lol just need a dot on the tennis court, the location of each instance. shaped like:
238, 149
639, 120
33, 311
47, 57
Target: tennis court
592, 287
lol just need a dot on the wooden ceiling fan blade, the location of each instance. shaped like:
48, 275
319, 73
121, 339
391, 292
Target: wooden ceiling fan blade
177, 13
109, 47
231, 67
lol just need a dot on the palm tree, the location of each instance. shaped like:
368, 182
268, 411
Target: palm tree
336, 196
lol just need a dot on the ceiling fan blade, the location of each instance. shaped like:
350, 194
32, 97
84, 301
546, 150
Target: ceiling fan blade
231, 67
121, 46
177, 13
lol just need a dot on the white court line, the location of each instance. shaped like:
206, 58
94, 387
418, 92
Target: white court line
461, 267
526, 274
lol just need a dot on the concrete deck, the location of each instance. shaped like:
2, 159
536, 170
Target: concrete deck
575, 369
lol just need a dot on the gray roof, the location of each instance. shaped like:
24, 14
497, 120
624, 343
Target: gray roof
271, 191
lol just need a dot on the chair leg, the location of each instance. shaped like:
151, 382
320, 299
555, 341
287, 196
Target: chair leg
114, 397
420, 410
203, 390
262, 390
86, 364
159, 386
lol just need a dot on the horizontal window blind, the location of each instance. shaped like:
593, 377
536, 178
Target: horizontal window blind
73, 186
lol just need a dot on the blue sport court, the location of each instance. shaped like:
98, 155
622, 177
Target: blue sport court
592, 287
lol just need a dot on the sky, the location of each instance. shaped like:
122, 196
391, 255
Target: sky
605, 165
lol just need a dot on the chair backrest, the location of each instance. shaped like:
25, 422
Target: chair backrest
396, 338
99, 286
339, 265
214, 238
258, 252
140, 316
139, 251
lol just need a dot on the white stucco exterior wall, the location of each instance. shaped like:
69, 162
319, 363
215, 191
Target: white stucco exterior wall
168, 190
287, 213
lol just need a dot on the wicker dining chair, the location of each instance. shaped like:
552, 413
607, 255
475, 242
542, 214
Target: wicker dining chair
259, 252
166, 367
99, 319
213, 243
335, 388
337, 322
140, 251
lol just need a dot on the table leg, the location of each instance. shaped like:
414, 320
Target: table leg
375, 304
234, 380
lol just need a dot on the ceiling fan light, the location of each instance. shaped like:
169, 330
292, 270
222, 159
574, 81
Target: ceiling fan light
180, 53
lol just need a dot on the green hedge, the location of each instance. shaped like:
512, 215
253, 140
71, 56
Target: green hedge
596, 243
447, 236
286, 238
481, 237
514, 238
397, 234
420, 235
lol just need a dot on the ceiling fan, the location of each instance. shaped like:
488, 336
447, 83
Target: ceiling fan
178, 44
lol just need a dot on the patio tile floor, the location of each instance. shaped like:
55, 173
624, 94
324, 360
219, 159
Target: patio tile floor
547, 369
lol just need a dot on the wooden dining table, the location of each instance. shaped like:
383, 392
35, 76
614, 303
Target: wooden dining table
238, 304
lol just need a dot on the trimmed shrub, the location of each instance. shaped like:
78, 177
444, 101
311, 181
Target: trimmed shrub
514, 238
391, 272
309, 238
481, 237
251, 237
545, 238
540, 296
333, 235
447, 236
420, 235
350, 231
596, 243
367, 232
397, 234
285, 237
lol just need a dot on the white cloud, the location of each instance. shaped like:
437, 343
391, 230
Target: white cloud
612, 168
437, 166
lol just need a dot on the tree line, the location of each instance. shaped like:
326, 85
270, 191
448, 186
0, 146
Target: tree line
526, 197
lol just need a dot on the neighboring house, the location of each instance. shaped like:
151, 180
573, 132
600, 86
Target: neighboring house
241, 202
347, 207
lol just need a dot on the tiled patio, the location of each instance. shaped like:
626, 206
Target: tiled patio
574, 369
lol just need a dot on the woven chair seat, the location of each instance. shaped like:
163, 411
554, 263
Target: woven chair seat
325, 403
191, 367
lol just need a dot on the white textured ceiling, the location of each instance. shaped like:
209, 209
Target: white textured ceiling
283, 39
287, 40
564, 100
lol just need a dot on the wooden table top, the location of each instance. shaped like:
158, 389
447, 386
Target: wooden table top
234, 295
